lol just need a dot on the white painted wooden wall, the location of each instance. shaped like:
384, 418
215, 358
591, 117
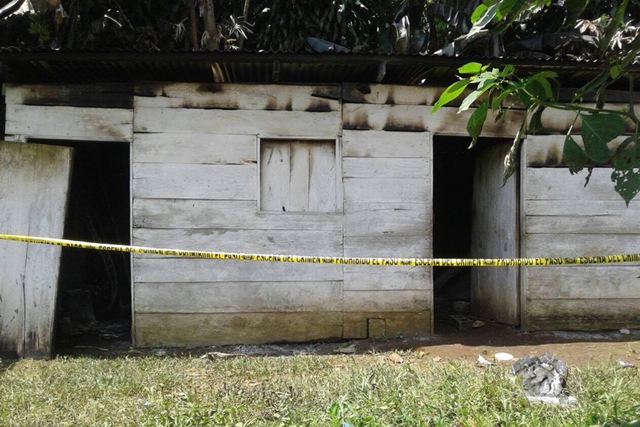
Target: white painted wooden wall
199, 183
561, 217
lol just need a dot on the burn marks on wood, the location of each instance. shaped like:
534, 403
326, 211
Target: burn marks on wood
551, 157
214, 96
104, 95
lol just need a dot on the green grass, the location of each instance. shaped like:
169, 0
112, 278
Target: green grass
297, 390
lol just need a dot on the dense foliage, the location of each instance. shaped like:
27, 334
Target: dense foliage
602, 31
609, 37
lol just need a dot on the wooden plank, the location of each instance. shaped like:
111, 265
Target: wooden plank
583, 208
361, 167
559, 184
33, 200
274, 176
92, 95
388, 246
417, 118
257, 122
585, 315
385, 144
396, 324
584, 282
179, 330
171, 270
238, 297
364, 278
362, 93
385, 190
547, 150
387, 300
298, 180
387, 219
93, 124
238, 96
194, 148
522, 216
494, 234
182, 181
322, 178
554, 121
570, 224
292, 242
572, 245
225, 214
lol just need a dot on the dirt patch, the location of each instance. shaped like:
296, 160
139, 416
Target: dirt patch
575, 348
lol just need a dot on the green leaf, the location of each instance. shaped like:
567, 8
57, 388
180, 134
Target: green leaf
480, 10
505, 7
471, 68
544, 75
597, 131
537, 89
495, 104
470, 99
627, 183
535, 119
524, 97
451, 93
543, 78
511, 159
573, 155
476, 122
591, 86
484, 20
507, 70
615, 71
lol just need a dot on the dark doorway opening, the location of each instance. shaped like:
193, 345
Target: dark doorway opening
94, 291
453, 168
475, 216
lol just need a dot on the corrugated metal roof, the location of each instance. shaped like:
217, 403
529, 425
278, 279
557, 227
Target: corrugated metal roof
31, 66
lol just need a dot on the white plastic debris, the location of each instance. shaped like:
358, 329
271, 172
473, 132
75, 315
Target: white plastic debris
483, 361
503, 357
626, 364
625, 331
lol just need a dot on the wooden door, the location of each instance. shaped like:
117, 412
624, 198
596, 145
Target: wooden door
494, 290
34, 185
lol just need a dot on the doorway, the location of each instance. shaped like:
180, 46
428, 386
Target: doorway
94, 296
475, 216
453, 168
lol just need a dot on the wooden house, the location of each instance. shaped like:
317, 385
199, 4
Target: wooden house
283, 154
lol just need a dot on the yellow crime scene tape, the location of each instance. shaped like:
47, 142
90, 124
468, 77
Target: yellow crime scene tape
436, 262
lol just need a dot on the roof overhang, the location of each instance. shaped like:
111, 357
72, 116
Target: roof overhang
18, 66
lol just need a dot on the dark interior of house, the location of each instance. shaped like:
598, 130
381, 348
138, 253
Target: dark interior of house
94, 295
453, 168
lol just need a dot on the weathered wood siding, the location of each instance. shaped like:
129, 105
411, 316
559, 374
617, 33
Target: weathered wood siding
196, 184
96, 112
33, 201
561, 217
202, 154
387, 203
